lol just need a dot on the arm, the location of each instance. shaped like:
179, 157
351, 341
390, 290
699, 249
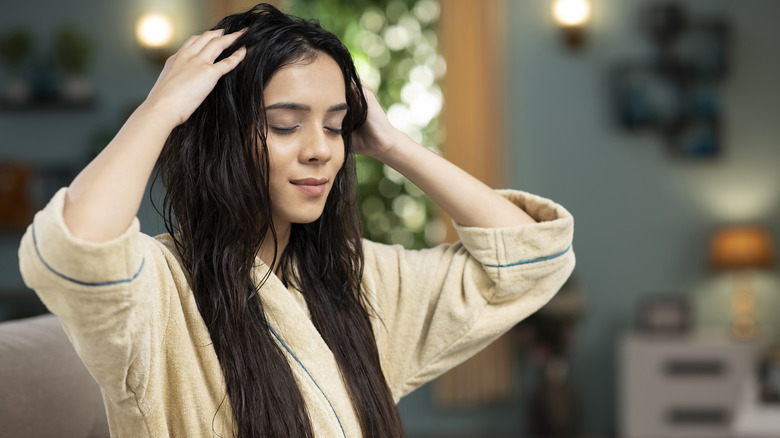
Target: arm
112, 286
436, 307
104, 198
466, 199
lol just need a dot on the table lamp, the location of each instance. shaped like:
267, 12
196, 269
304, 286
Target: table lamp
742, 249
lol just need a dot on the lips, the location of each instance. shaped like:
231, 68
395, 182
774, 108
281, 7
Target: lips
311, 186
310, 181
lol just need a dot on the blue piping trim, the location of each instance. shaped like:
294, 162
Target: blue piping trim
312, 378
525, 262
79, 282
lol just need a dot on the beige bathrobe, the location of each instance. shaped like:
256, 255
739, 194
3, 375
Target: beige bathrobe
128, 309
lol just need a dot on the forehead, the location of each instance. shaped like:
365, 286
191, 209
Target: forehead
310, 82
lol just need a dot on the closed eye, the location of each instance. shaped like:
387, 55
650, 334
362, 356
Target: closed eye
335, 131
284, 130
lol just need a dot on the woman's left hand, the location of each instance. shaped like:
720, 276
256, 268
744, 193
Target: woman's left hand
465, 198
377, 137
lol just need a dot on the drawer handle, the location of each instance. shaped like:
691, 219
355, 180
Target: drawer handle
695, 368
697, 416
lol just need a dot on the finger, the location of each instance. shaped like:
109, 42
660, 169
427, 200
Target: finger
368, 92
231, 61
355, 88
365, 86
167, 66
202, 40
217, 45
189, 42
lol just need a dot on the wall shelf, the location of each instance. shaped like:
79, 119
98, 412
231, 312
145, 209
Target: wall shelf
47, 105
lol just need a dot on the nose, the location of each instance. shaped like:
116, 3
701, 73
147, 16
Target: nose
317, 146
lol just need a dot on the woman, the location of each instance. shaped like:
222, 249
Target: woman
262, 312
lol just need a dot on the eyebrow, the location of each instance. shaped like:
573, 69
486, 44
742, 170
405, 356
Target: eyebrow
301, 107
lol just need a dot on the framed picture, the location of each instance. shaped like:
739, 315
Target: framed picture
664, 315
674, 90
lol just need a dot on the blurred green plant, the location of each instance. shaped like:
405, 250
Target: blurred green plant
16, 47
72, 50
394, 46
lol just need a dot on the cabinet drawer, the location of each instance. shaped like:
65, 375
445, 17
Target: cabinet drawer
680, 387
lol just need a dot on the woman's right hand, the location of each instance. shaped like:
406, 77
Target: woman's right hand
190, 74
104, 198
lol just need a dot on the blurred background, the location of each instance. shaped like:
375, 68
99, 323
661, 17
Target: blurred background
657, 124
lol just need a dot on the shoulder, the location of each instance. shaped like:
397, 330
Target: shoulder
166, 253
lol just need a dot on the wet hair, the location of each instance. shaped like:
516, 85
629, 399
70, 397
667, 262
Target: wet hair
217, 207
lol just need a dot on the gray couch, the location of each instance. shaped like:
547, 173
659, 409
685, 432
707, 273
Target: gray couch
45, 389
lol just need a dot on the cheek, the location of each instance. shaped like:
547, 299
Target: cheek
341, 150
278, 155
340, 154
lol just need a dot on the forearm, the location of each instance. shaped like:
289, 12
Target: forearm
104, 198
466, 199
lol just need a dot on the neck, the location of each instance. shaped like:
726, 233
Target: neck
266, 251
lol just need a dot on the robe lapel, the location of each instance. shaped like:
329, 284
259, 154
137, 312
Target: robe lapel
291, 323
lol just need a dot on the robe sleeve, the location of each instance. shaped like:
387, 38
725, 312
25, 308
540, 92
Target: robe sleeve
437, 307
107, 296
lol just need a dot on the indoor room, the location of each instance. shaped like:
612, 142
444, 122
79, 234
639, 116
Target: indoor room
654, 123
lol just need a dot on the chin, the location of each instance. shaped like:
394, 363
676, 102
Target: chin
305, 221
305, 218
299, 212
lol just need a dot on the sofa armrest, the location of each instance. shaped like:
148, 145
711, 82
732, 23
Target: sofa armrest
46, 389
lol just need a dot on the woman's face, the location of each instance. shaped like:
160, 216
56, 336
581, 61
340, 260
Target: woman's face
305, 106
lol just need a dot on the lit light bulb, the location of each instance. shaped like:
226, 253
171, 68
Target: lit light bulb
154, 31
571, 12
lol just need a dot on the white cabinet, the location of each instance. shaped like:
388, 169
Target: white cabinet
686, 387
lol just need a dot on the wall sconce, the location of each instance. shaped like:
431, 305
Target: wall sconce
741, 249
572, 17
155, 34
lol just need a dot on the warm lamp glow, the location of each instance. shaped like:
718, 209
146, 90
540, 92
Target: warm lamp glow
154, 31
741, 247
572, 17
571, 12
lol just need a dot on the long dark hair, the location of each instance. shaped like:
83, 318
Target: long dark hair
218, 209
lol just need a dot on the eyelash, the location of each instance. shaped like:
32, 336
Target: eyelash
287, 131
283, 131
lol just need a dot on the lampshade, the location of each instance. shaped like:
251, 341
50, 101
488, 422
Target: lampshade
741, 247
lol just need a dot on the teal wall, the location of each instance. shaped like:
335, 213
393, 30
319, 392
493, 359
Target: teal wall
642, 218
121, 77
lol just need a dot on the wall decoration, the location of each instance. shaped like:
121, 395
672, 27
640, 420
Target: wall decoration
676, 92
16, 50
664, 314
16, 209
73, 54
54, 76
